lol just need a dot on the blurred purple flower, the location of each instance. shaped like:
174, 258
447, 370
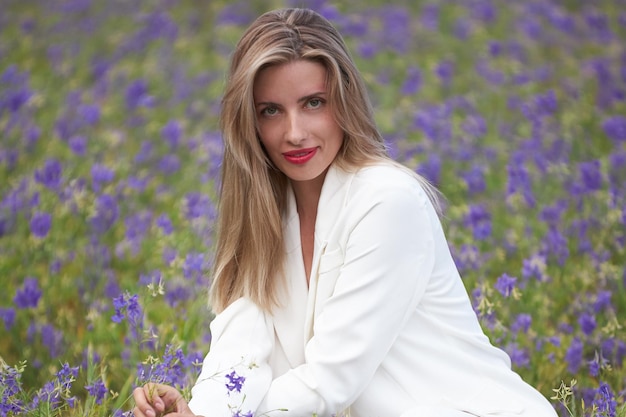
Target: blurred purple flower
431, 169
137, 225
8, 317
574, 355
556, 245
165, 224
482, 10
434, 121
106, 213
462, 28
89, 113
97, 389
591, 176
478, 219
137, 95
445, 72
534, 267
603, 300
18, 92
50, 175
169, 164
198, 205
505, 284
615, 128
519, 356
78, 144
40, 224
101, 174
522, 323
28, 295
518, 180
194, 265
236, 13
172, 133
474, 179
53, 339
430, 16
413, 81
587, 323
396, 28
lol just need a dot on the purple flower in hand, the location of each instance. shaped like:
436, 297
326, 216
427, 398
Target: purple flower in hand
235, 382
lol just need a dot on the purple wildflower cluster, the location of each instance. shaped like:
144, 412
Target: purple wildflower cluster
110, 160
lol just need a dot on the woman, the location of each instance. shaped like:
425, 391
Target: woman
334, 288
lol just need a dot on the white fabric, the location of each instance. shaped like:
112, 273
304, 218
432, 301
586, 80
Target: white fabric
386, 328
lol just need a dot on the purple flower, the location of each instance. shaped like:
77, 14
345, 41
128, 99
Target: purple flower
445, 72
479, 220
234, 382
164, 222
505, 284
52, 339
78, 144
128, 306
169, 164
171, 133
574, 355
590, 175
519, 356
475, 126
194, 265
412, 82
474, 179
118, 304
522, 323
137, 95
605, 401
100, 174
8, 317
431, 168
240, 413
89, 113
106, 213
615, 128
198, 205
28, 295
97, 390
587, 323
133, 309
603, 300
50, 175
40, 224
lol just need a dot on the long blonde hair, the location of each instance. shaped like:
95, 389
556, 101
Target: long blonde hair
250, 252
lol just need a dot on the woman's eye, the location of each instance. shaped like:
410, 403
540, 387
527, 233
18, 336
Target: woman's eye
269, 111
315, 103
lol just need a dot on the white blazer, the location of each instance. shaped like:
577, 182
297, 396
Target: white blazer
386, 328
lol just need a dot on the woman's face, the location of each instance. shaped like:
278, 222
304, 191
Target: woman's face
295, 122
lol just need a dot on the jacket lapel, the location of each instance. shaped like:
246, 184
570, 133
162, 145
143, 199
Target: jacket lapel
299, 305
332, 201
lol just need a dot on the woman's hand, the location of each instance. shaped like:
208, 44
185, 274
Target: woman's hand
154, 400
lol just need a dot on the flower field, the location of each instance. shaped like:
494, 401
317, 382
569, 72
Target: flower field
109, 167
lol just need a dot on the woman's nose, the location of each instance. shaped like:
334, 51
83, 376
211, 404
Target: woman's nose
295, 131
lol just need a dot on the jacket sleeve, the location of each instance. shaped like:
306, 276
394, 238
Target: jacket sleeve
388, 257
235, 373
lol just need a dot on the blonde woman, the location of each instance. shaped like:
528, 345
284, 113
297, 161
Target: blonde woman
334, 288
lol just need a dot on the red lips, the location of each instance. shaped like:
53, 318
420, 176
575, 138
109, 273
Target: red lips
300, 156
